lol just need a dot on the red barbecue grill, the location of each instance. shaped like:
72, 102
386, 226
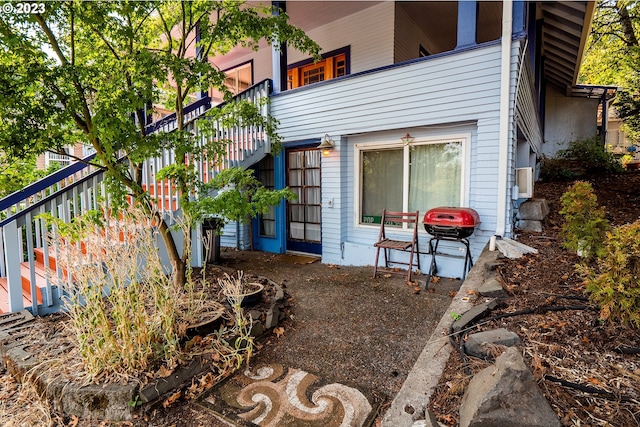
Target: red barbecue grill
451, 224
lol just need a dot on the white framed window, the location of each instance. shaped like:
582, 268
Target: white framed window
62, 159
238, 79
410, 177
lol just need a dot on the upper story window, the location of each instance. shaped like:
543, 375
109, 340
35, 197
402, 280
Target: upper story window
333, 64
238, 79
61, 159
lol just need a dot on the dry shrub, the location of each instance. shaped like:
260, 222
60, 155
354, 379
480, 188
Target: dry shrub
242, 348
22, 404
121, 301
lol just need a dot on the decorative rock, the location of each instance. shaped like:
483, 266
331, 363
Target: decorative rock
506, 394
430, 421
512, 249
492, 288
534, 209
93, 401
476, 344
529, 225
491, 268
474, 313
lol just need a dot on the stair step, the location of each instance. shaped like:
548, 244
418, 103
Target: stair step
40, 258
40, 277
4, 297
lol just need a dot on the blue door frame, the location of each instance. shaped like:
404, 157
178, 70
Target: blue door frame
280, 242
277, 243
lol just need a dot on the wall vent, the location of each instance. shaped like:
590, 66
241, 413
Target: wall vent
524, 181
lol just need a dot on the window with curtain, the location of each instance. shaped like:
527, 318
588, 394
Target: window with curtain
414, 177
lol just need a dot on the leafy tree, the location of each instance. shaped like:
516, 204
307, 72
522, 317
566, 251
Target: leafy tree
613, 57
18, 173
82, 71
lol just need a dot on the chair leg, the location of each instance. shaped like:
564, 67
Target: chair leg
375, 266
410, 265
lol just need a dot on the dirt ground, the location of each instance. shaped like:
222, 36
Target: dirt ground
343, 326
589, 371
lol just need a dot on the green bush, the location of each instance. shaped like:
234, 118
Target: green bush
583, 157
557, 169
615, 286
585, 225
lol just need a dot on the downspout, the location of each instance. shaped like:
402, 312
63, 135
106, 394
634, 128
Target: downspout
503, 146
605, 119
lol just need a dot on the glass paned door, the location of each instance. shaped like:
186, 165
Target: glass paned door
267, 221
304, 213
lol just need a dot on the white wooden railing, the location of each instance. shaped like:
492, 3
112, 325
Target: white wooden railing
77, 188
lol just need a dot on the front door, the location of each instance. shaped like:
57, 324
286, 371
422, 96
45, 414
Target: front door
304, 230
268, 228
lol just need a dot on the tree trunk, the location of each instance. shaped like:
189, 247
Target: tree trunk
177, 263
626, 24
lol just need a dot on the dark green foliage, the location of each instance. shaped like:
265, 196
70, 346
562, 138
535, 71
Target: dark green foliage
627, 105
557, 169
583, 157
16, 174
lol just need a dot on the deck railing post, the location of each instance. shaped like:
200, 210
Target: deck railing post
11, 239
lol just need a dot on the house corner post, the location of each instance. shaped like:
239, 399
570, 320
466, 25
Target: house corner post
279, 54
467, 23
505, 124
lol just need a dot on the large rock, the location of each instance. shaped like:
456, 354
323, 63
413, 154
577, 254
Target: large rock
513, 249
506, 394
529, 225
534, 209
492, 288
471, 315
480, 344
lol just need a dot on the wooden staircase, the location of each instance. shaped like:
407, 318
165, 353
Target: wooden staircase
39, 273
78, 187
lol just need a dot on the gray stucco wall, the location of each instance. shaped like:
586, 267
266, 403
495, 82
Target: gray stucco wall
567, 119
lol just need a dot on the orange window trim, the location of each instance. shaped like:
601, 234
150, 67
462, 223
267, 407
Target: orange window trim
330, 64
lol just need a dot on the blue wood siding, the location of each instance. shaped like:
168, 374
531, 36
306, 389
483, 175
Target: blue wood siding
442, 95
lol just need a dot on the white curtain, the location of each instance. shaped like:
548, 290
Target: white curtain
434, 175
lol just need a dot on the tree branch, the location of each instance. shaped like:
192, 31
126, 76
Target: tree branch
76, 158
52, 39
167, 31
76, 83
627, 24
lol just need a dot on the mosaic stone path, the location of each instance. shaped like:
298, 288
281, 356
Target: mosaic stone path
274, 395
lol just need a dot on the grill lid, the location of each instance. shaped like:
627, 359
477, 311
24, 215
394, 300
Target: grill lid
452, 217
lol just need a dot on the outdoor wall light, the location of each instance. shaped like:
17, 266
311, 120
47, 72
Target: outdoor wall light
407, 139
326, 145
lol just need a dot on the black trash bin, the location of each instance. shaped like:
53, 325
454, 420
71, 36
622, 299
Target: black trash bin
211, 239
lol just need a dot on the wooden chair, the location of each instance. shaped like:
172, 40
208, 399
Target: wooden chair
390, 218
